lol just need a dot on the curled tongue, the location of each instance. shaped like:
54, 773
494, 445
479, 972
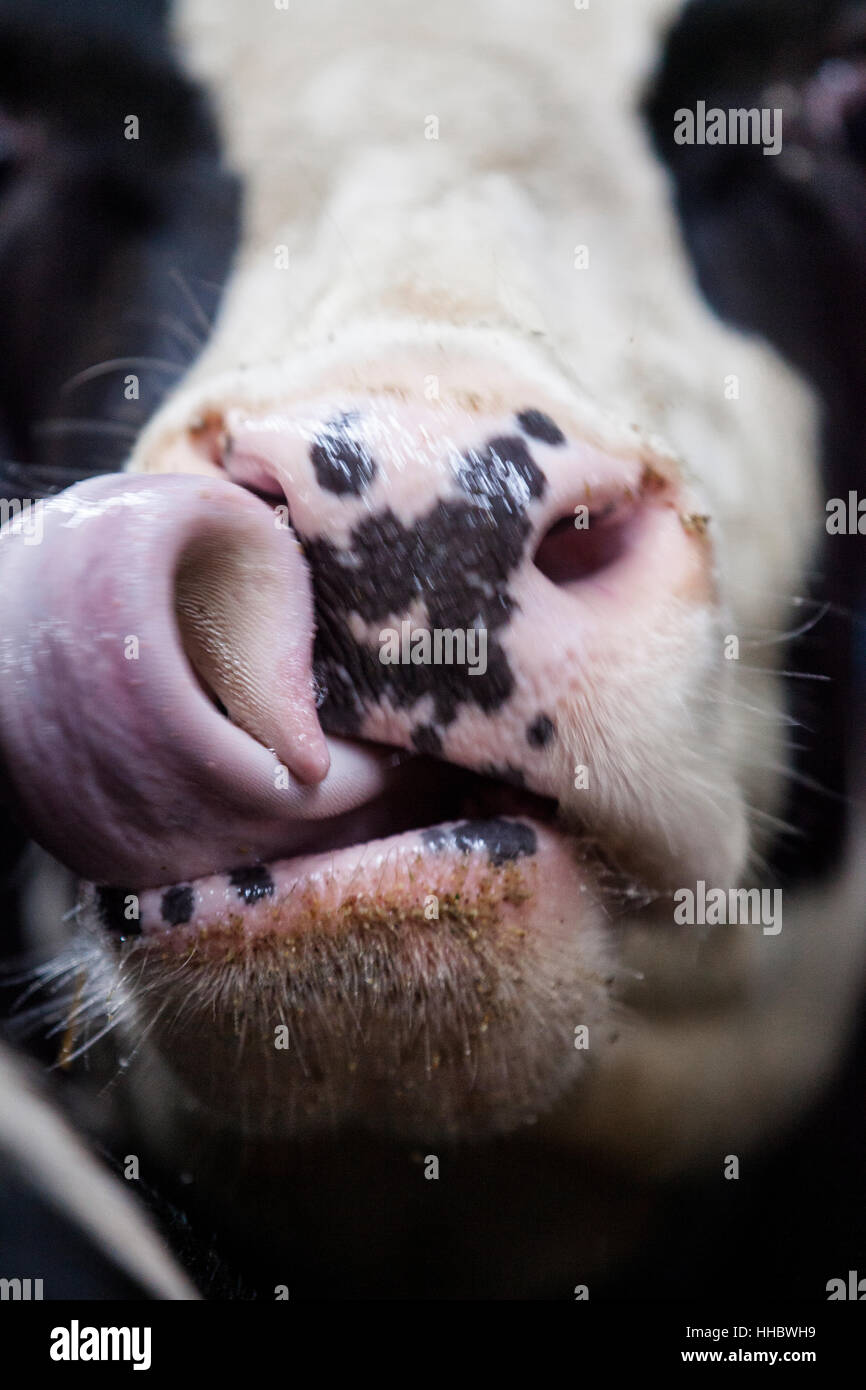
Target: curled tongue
157, 714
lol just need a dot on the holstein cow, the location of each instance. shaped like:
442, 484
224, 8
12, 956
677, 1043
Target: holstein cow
412, 709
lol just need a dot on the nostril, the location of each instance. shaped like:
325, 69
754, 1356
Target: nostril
208, 436
585, 543
211, 437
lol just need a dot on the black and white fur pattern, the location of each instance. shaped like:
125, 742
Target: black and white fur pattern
687, 1085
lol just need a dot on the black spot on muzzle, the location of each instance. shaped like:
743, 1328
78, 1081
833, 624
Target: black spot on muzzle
453, 564
501, 840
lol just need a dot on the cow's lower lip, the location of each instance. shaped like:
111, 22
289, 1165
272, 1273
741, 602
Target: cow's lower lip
512, 872
418, 980
427, 983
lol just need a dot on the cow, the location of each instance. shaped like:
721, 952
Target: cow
397, 681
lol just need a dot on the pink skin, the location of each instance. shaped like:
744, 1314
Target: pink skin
416, 448
390, 876
124, 769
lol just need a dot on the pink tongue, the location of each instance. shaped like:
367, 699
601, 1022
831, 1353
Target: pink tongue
119, 762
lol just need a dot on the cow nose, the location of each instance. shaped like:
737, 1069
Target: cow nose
475, 574
491, 588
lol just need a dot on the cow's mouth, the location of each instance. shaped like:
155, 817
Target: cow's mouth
439, 843
428, 958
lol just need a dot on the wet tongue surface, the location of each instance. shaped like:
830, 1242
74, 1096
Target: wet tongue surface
119, 762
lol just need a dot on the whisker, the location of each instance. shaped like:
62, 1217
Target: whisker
804, 780
173, 325
186, 290
113, 428
777, 823
764, 712
41, 480
86, 1044
116, 364
838, 610
792, 633
790, 675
